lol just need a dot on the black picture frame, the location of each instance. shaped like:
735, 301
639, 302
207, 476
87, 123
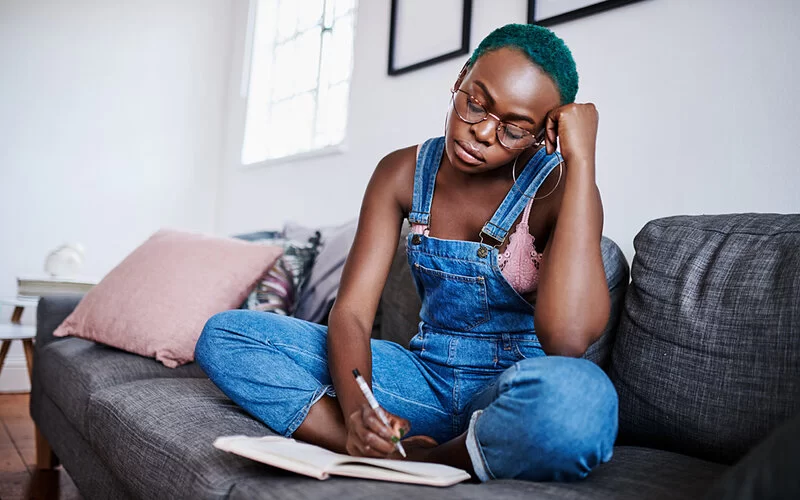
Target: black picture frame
466, 22
594, 8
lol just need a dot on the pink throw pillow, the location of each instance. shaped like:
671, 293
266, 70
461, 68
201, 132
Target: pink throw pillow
156, 301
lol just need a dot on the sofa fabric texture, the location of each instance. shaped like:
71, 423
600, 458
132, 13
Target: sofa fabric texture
89, 473
76, 369
714, 307
168, 429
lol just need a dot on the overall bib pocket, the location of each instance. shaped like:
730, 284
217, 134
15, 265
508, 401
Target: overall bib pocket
461, 301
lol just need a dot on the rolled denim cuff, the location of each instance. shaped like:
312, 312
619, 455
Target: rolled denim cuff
474, 450
300, 417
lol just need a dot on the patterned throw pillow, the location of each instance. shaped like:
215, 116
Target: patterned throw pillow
279, 288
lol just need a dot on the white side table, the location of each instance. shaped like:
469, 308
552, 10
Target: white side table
17, 331
19, 304
9, 332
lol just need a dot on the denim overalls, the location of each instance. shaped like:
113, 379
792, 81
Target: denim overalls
474, 366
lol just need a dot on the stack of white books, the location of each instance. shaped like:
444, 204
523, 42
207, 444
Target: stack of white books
36, 286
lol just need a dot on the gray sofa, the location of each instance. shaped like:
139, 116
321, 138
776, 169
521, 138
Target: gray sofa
703, 348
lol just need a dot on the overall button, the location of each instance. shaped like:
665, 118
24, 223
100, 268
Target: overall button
416, 239
483, 252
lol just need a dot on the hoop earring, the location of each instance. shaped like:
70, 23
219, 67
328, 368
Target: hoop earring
514, 176
447, 113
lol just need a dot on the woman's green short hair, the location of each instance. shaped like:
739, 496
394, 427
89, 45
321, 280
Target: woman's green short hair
543, 47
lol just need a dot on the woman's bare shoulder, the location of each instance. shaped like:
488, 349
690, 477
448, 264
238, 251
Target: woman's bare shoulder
395, 171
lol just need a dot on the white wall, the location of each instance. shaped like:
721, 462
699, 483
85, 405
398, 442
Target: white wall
111, 118
694, 98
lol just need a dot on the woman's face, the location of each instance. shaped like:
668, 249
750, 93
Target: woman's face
510, 86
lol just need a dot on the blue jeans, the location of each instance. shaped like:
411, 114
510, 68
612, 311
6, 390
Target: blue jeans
527, 415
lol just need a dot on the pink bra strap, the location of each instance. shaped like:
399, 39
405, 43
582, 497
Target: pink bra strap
526, 216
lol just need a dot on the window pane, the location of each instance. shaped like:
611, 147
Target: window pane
289, 128
255, 147
337, 52
260, 83
332, 116
306, 66
309, 13
328, 18
287, 19
297, 65
342, 6
284, 69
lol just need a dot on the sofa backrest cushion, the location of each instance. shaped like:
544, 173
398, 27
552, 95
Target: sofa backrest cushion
617, 277
400, 304
707, 356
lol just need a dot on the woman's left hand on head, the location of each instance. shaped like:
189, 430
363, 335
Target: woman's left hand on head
575, 126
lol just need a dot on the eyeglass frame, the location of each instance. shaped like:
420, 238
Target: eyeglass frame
537, 140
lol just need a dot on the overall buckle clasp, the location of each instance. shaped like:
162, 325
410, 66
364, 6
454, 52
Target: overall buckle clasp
483, 251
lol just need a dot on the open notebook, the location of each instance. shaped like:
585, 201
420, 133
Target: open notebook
320, 463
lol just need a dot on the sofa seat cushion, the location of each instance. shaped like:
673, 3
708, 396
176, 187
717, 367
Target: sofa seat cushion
707, 356
632, 474
71, 370
157, 435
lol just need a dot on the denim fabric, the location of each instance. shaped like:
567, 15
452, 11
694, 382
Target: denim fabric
475, 365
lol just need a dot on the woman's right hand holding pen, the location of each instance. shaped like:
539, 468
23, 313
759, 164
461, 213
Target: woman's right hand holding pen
367, 436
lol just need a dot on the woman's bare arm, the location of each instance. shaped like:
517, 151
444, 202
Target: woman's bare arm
365, 273
573, 302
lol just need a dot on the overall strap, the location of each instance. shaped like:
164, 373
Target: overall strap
428, 161
530, 179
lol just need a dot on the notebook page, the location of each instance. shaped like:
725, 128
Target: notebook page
281, 452
450, 477
419, 469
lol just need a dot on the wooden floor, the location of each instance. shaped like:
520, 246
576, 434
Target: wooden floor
19, 478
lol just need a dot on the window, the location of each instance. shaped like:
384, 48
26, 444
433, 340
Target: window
301, 59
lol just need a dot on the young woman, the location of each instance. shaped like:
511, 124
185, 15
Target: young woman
500, 222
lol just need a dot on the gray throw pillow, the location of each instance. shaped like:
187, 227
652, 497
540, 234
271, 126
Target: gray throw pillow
323, 282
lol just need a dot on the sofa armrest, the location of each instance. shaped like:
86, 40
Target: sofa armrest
52, 310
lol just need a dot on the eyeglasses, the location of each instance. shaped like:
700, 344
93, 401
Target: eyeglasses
471, 111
